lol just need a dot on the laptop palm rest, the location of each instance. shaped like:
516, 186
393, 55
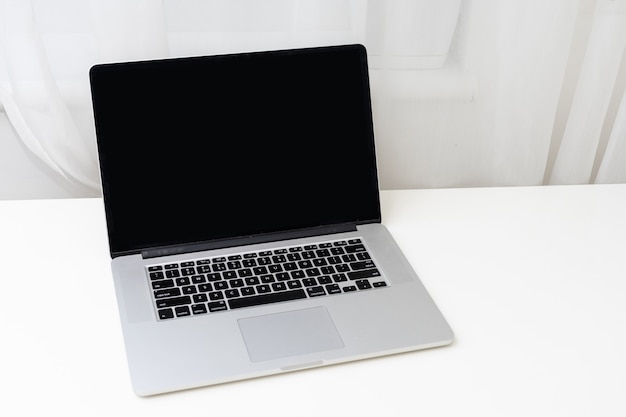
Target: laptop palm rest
291, 333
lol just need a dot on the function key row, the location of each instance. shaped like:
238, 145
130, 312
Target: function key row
307, 252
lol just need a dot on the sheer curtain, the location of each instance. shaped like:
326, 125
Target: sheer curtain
465, 92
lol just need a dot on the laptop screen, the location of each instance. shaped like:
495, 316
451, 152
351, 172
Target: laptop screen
210, 148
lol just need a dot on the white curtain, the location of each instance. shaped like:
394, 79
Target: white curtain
465, 92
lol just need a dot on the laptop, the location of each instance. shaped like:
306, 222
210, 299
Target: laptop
242, 207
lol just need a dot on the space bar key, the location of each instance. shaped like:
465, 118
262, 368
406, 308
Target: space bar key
275, 297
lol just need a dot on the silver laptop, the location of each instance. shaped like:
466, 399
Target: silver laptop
243, 216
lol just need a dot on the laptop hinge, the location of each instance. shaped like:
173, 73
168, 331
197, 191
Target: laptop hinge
249, 240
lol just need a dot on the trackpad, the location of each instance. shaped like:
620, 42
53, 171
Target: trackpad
289, 334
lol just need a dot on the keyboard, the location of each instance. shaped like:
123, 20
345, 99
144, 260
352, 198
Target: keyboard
216, 284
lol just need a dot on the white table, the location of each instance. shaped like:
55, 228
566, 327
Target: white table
531, 279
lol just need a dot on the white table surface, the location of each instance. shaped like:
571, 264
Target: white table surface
531, 279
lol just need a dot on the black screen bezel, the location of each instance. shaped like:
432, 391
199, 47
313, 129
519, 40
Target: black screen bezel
105, 78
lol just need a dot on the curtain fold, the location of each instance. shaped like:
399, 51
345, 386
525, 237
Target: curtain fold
33, 102
613, 165
595, 87
465, 92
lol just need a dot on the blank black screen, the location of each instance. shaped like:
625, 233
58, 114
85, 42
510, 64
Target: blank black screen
206, 148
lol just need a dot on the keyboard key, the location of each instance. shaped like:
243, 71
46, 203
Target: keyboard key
327, 270
220, 285
283, 276
279, 259
379, 284
339, 277
234, 265
363, 284
183, 281
313, 272
337, 251
264, 261
305, 264
267, 279
322, 253
362, 265
232, 293
166, 283
182, 311
253, 281
172, 273
172, 302
166, 313
263, 288
155, 268
334, 260
219, 267
259, 270
198, 279
324, 279
205, 287
316, 291
364, 273
229, 274
157, 275
169, 292
292, 257
349, 257
200, 298
320, 262
290, 266
355, 248
236, 283
297, 274
246, 272
216, 295
214, 277
203, 269
190, 289
266, 298
217, 306
333, 289
198, 309
294, 284
247, 291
